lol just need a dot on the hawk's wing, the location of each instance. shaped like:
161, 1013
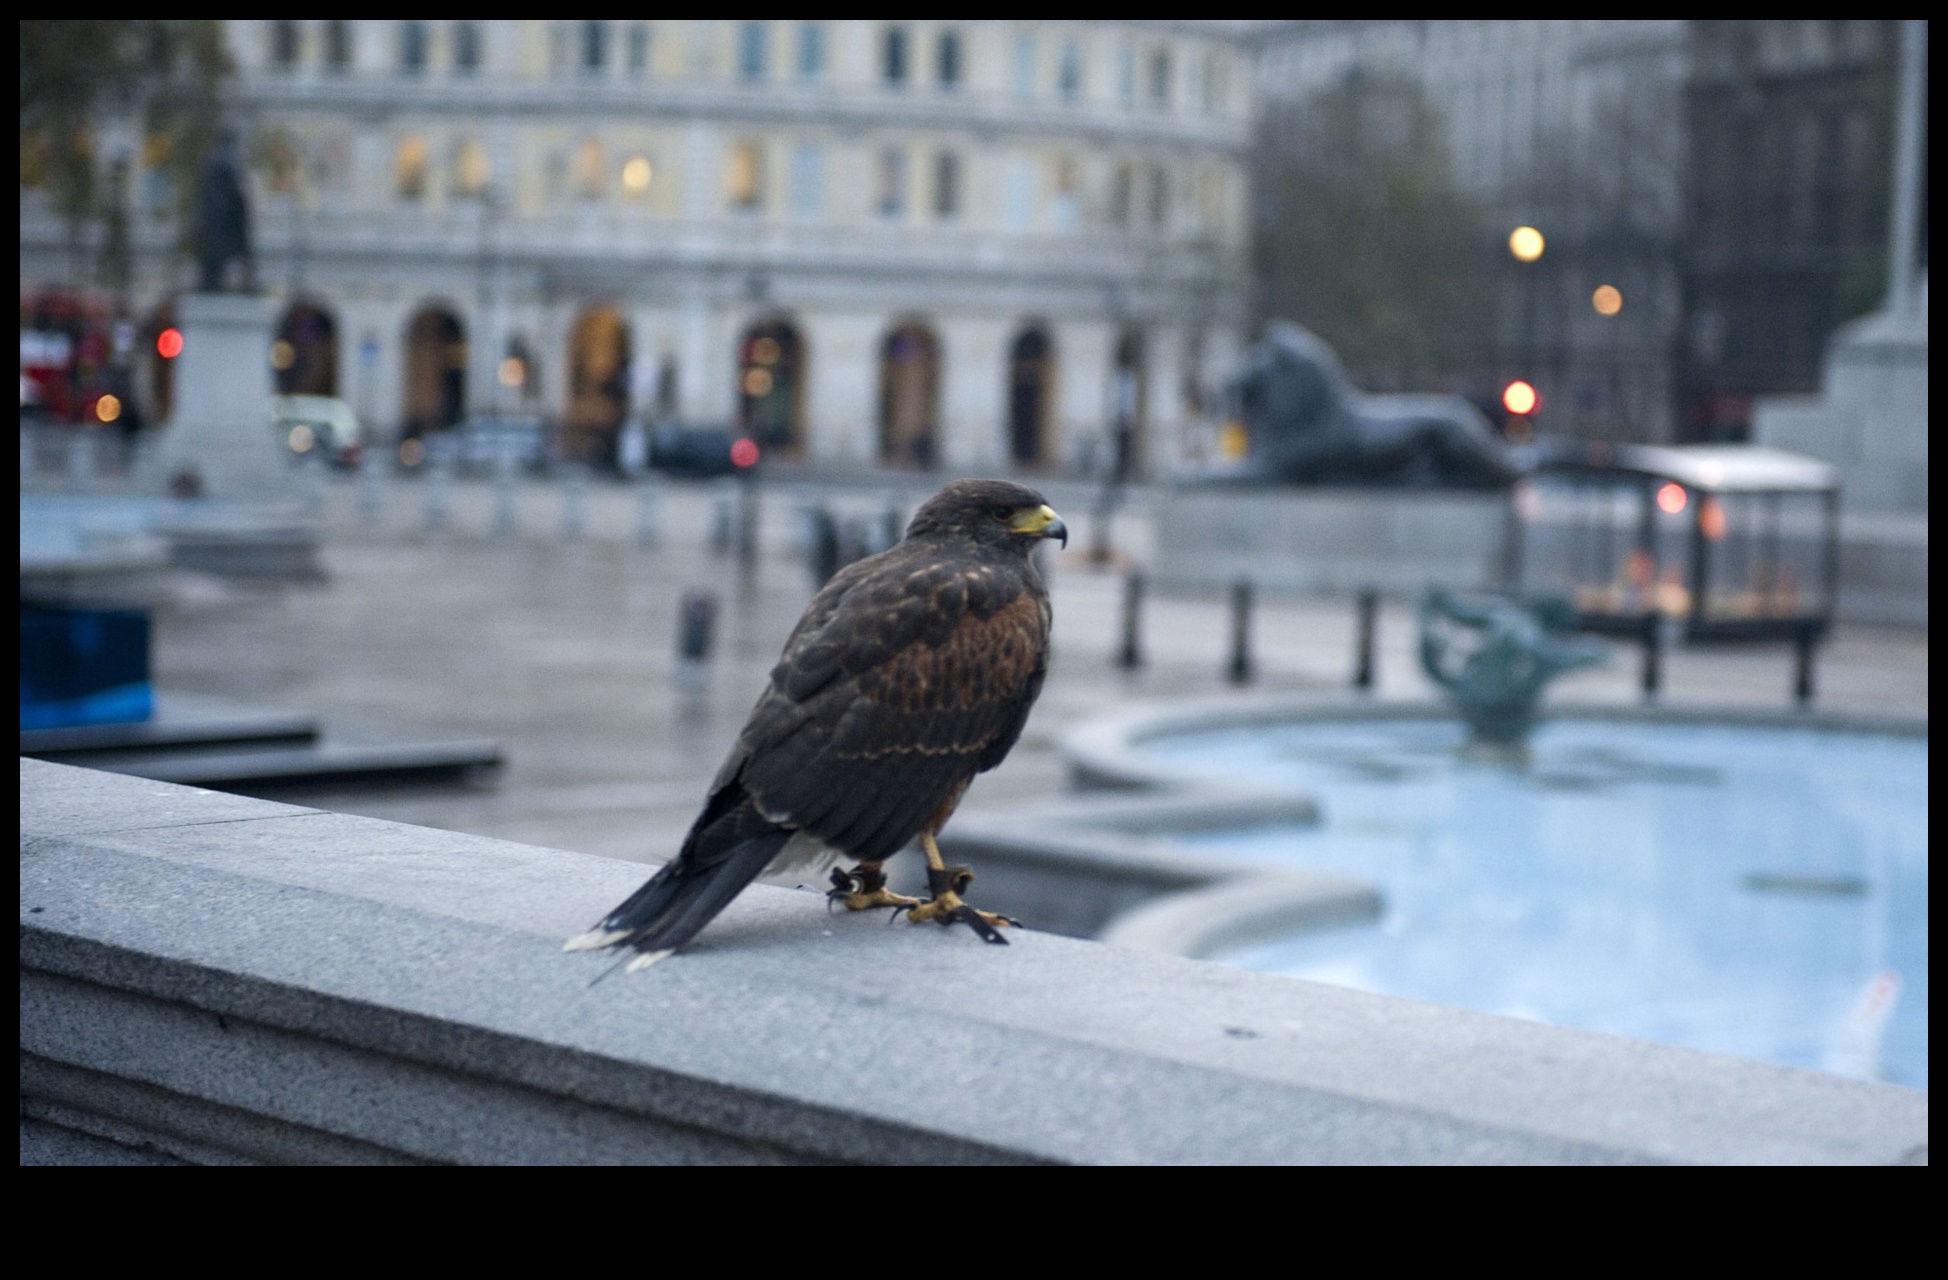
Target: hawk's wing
909, 673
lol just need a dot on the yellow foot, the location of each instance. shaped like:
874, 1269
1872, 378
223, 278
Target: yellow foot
864, 889
947, 908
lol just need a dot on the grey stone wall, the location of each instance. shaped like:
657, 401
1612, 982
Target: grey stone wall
216, 979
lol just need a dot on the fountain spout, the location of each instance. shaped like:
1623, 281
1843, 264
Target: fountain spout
1493, 656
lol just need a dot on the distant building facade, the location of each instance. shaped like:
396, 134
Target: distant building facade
1571, 126
970, 245
1790, 126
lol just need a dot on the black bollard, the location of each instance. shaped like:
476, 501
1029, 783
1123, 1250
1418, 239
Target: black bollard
1653, 655
1131, 656
825, 546
1804, 642
696, 626
1369, 617
747, 520
1240, 672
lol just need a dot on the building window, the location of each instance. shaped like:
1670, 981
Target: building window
283, 159
1210, 198
1160, 78
950, 60
808, 182
744, 180
892, 60
595, 47
811, 50
412, 48
890, 196
1024, 66
409, 168
636, 173
1159, 197
1065, 206
1018, 195
946, 185
338, 45
638, 49
1121, 188
590, 178
287, 45
466, 47
751, 51
1126, 73
1069, 79
470, 168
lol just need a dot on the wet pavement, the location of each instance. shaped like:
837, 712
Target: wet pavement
564, 648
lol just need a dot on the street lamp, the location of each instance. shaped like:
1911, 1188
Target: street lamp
1526, 243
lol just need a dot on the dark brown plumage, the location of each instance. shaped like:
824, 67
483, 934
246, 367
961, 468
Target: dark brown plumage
911, 672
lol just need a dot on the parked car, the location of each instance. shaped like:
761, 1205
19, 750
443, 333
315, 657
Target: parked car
318, 426
686, 450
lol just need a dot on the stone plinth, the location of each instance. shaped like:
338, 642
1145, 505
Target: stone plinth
1871, 416
221, 423
1330, 541
1871, 420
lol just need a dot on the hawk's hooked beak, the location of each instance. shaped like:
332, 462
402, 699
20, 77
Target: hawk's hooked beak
1042, 522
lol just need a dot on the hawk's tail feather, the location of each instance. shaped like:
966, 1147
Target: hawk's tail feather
678, 901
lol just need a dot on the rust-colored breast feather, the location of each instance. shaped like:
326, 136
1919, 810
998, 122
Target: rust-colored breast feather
903, 681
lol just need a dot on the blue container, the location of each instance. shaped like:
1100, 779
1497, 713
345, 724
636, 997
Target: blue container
83, 666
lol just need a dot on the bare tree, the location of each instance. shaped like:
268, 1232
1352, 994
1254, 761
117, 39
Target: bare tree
1362, 236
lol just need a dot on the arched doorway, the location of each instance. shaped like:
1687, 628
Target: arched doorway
1128, 395
1031, 397
771, 386
436, 372
909, 394
598, 384
304, 356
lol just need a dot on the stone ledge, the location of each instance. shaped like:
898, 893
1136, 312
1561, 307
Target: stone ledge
214, 977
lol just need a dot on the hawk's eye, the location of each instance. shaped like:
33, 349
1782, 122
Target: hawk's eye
1002, 514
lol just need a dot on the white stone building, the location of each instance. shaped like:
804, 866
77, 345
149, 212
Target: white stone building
954, 244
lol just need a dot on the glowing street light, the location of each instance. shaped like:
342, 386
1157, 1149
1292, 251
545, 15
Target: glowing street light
169, 343
108, 408
1521, 399
1608, 300
1526, 243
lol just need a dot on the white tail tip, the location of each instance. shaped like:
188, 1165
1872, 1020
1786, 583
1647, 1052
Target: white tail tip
594, 940
647, 959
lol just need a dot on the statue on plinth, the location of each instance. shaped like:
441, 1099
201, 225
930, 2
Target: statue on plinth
1305, 423
223, 222
1493, 656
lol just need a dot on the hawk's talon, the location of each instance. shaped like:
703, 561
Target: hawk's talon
864, 890
947, 908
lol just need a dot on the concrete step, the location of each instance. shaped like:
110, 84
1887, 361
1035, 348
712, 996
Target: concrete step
181, 720
315, 762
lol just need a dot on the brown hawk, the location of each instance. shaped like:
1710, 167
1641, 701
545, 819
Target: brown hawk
911, 671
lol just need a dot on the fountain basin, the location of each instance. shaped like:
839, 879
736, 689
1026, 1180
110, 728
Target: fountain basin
1736, 882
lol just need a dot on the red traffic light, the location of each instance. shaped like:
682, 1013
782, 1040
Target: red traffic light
169, 343
744, 453
1519, 398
